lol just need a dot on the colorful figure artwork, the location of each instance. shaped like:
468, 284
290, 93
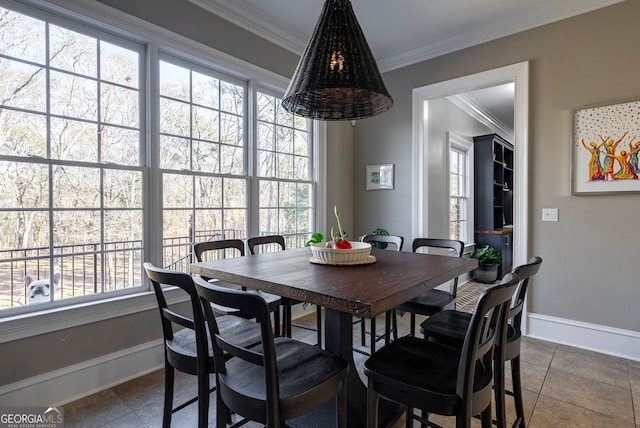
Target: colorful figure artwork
606, 148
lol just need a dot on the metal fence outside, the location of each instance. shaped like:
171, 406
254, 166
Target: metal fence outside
95, 268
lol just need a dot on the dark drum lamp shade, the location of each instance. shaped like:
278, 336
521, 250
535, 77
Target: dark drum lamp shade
337, 77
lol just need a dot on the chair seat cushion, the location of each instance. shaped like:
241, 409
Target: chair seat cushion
429, 302
244, 332
420, 373
184, 342
449, 326
301, 367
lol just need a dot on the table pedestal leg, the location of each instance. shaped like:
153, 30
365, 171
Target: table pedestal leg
339, 341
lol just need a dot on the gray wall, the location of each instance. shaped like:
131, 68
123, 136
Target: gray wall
589, 271
32, 356
339, 178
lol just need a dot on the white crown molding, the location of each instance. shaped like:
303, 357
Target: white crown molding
251, 20
485, 34
482, 115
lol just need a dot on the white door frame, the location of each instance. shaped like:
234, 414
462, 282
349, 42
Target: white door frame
517, 73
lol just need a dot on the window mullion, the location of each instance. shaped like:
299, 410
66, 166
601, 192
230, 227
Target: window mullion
150, 142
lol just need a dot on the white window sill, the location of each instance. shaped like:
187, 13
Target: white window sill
49, 320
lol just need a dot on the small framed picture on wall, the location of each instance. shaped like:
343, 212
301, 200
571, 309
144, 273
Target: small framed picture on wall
379, 177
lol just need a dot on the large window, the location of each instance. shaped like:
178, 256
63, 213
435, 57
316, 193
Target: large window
202, 156
460, 187
284, 159
105, 164
70, 170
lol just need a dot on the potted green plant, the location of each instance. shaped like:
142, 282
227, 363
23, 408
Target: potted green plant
488, 259
381, 245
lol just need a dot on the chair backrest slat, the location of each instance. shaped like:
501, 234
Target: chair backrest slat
397, 241
178, 318
214, 247
456, 246
269, 241
239, 351
200, 248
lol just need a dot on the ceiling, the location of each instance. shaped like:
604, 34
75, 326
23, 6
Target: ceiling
404, 32
493, 106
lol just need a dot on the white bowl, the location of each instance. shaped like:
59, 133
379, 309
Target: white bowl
359, 252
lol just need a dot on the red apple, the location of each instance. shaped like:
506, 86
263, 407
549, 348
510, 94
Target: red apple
342, 244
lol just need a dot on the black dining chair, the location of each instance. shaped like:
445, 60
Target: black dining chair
450, 327
281, 380
386, 242
438, 378
275, 243
435, 300
201, 249
266, 243
383, 241
186, 342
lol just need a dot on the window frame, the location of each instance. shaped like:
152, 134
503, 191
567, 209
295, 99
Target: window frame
121, 26
53, 17
463, 145
205, 68
255, 178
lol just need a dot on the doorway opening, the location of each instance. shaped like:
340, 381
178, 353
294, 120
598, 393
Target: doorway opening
421, 209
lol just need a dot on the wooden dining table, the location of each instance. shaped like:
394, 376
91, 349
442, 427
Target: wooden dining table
362, 290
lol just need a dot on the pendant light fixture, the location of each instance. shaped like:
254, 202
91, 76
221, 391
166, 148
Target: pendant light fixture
337, 77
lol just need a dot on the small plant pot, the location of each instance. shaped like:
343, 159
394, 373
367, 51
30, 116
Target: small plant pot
487, 274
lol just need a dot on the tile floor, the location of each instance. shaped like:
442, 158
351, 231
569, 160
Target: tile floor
564, 387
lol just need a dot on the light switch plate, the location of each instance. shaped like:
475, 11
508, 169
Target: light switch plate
549, 214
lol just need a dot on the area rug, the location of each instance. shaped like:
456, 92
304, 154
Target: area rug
468, 295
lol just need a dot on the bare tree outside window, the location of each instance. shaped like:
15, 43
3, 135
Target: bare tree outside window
202, 154
284, 158
69, 123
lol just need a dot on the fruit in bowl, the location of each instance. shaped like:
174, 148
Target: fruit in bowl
339, 250
342, 244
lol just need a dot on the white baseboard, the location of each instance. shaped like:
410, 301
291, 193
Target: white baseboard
71, 383
593, 337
